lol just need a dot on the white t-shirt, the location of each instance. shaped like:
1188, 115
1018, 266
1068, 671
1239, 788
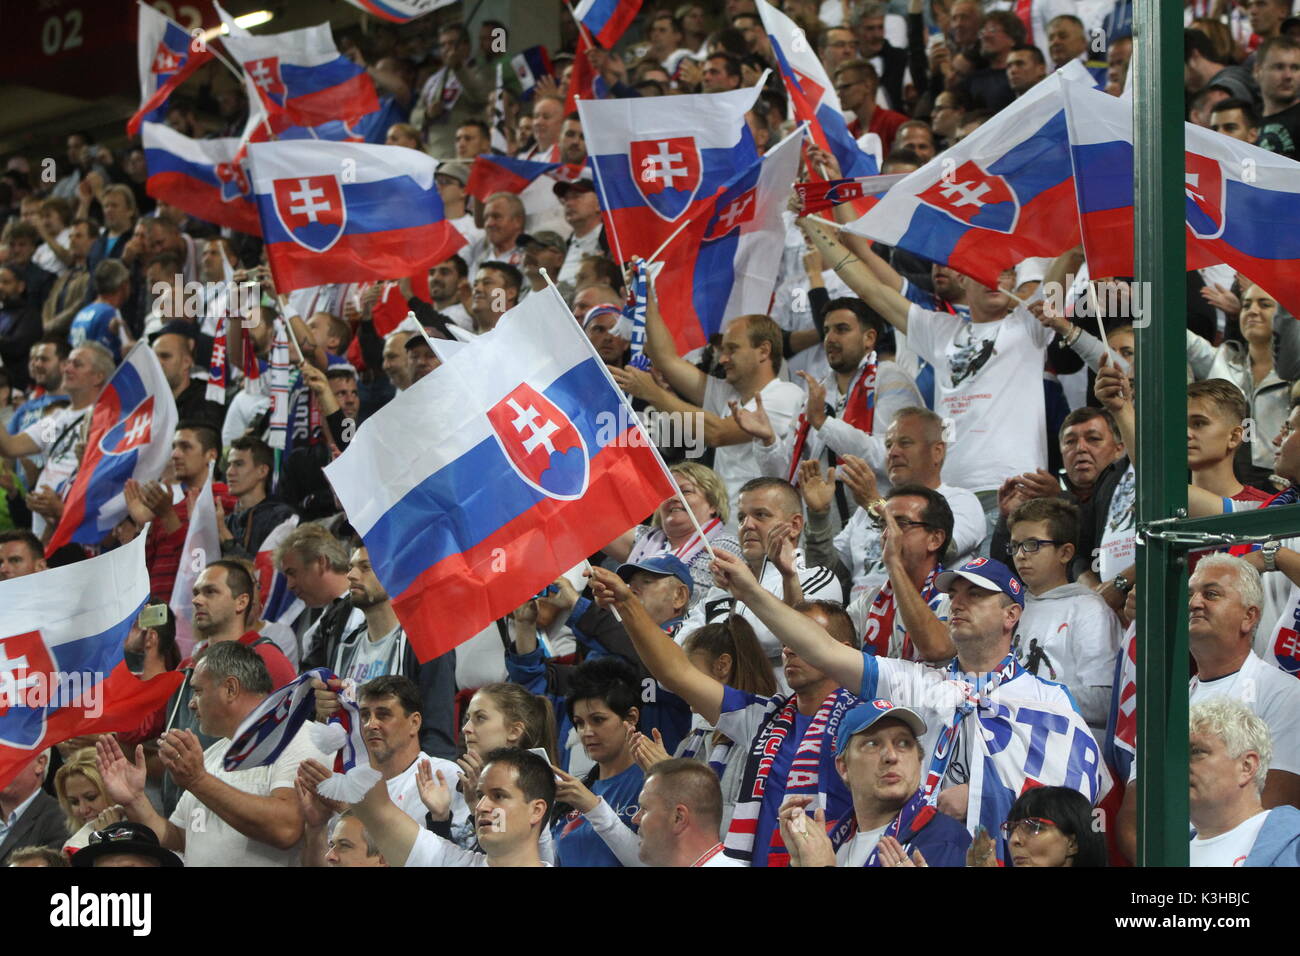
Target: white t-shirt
432, 850
404, 790
210, 840
57, 435
989, 381
859, 611
736, 464
1077, 636
1273, 696
819, 584
855, 852
1118, 538
1231, 848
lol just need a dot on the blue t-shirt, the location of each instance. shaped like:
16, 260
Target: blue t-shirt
576, 843
91, 324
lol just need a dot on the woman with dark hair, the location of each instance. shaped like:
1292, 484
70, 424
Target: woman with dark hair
603, 704
1051, 826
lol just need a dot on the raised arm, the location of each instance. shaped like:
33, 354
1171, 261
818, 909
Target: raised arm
928, 634
797, 631
687, 380
889, 302
662, 656
392, 830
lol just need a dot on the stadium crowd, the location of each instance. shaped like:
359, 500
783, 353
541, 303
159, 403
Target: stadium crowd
916, 493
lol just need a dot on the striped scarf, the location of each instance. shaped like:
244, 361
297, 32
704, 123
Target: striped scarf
880, 619
265, 733
907, 823
812, 768
654, 543
859, 411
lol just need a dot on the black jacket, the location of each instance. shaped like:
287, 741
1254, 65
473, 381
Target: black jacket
42, 824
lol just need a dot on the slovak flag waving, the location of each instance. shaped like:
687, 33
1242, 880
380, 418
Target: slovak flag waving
61, 670
166, 57
812, 97
495, 473
606, 19
348, 212
204, 177
1001, 195
658, 161
301, 76
130, 437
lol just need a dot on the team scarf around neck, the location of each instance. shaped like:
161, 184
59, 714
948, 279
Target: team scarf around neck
880, 618
655, 543
910, 820
859, 411
265, 733
216, 387
811, 771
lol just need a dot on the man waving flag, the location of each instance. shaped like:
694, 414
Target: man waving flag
167, 55
130, 437
495, 473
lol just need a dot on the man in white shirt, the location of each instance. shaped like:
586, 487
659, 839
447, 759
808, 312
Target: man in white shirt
988, 371
451, 179
1068, 632
914, 455
582, 215
449, 286
751, 358
680, 816
771, 518
503, 222
248, 817
848, 411
1224, 601
1227, 769
516, 791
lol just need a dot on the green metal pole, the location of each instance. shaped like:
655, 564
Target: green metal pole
1161, 426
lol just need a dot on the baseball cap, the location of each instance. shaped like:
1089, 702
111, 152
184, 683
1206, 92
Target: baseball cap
456, 170
868, 713
176, 327
663, 564
986, 573
546, 237
582, 181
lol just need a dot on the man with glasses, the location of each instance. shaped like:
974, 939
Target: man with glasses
906, 617
1068, 633
856, 82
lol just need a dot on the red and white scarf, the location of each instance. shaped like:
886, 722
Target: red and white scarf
880, 619
859, 411
811, 771
655, 542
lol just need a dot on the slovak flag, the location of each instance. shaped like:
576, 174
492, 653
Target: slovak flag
130, 437
348, 212
530, 66
1003, 194
812, 96
202, 546
1242, 202
658, 161
818, 197
302, 78
204, 177
606, 20
61, 669
731, 268
278, 603
166, 58
495, 473
493, 174
399, 11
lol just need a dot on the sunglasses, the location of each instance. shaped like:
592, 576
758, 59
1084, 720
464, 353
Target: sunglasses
1035, 826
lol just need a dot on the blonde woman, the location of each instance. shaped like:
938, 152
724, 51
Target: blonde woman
671, 530
82, 796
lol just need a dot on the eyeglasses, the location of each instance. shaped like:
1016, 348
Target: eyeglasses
1031, 545
1035, 826
904, 524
